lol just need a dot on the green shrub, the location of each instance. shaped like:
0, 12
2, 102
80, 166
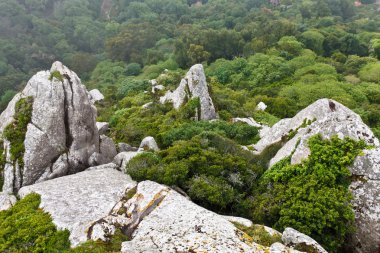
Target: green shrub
133, 69
240, 132
26, 228
16, 131
57, 75
212, 169
312, 197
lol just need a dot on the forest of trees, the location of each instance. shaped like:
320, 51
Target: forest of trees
286, 53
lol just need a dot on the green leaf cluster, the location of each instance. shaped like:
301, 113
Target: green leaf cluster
26, 228
15, 132
312, 197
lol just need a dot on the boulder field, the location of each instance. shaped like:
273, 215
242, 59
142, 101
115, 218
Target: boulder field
66, 157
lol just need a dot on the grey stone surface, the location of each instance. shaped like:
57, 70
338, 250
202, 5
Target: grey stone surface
76, 201
107, 149
194, 85
6, 201
63, 124
95, 95
330, 118
292, 237
366, 192
148, 143
123, 158
103, 127
125, 147
261, 106
175, 224
239, 220
249, 121
329, 121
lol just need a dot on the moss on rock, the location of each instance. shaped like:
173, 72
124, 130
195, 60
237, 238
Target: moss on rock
16, 131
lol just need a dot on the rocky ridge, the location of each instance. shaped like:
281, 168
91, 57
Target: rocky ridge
61, 138
155, 217
328, 118
194, 85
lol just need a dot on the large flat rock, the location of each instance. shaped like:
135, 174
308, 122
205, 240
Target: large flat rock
76, 201
176, 224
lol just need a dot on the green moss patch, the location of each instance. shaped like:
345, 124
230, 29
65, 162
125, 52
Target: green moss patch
16, 131
259, 234
57, 75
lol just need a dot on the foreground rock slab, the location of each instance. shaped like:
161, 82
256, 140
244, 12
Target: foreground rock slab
75, 202
175, 224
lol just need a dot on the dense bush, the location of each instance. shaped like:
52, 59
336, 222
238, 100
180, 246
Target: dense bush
214, 171
26, 228
240, 132
312, 197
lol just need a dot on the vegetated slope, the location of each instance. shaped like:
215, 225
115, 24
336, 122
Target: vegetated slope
286, 56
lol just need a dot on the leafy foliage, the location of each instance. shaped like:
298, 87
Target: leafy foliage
212, 170
16, 131
312, 197
26, 228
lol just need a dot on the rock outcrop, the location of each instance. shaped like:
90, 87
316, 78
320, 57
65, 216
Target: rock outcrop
6, 201
76, 201
101, 200
62, 134
103, 127
292, 237
95, 95
261, 106
325, 117
94, 203
148, 143
329, 118
194, 85
366, 191
168, 222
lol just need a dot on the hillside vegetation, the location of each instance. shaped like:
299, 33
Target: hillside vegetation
287, 56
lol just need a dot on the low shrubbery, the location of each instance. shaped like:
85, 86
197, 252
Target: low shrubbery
313, 196
211, 169
25, 228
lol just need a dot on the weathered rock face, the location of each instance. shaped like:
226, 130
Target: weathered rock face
95, 95
6, 201
292, 237
261, 106
194, 85
75, 202
148, 143
62, 134
97, 202
331, 118
366, 202
326, 117
103, 127
168, 222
